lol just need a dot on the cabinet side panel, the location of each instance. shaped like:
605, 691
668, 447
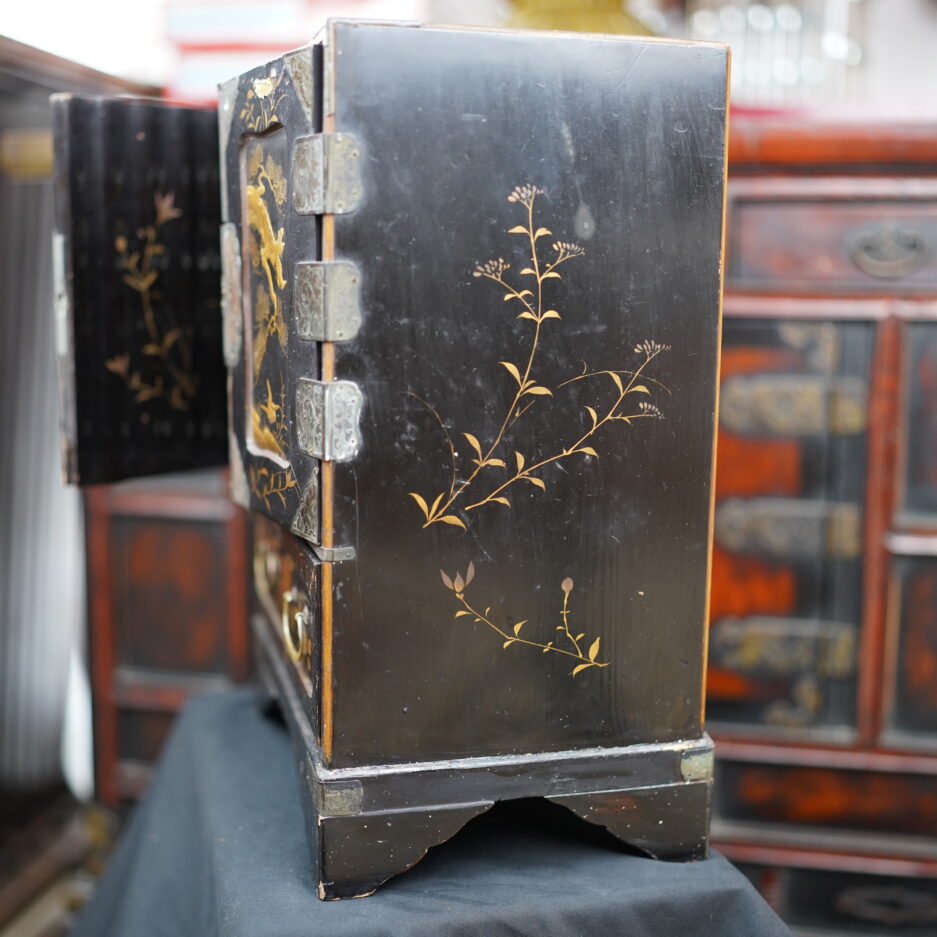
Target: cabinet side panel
539, 233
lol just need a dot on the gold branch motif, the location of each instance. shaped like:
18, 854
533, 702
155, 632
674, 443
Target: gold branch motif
573, 644
169, 351
477, 486
529, 389
268, 485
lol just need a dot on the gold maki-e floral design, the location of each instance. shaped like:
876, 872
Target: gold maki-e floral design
566, 644
472, 492
261, 101
494, 467
166, 372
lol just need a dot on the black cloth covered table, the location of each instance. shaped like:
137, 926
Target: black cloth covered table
218, 848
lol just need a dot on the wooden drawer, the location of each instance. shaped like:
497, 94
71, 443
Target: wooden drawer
859, 800
286, 598
833, 236
831, 902
844, 903
170, 594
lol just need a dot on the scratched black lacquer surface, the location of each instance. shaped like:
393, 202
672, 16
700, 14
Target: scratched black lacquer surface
139, 319
625, 138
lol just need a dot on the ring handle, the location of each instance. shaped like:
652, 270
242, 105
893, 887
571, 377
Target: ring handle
888, 251
293, 625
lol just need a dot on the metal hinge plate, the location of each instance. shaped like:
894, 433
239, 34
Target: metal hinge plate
327, 303
327, 418
326, 177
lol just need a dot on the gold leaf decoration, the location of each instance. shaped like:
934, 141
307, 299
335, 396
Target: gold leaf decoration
421, 501
474, 443
452, 520
488, 452
511, 634
164, 375
512, 370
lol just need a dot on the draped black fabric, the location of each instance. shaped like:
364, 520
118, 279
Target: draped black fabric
218, 848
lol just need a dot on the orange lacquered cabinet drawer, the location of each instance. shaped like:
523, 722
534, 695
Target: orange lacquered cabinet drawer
830, 236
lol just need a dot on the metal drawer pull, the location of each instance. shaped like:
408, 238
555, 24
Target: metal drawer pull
293, 624
891, 905
889, 251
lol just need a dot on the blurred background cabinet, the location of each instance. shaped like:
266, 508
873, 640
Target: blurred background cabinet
167, 581
822, 691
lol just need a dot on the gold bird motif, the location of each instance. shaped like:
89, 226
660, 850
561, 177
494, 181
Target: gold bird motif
269, 409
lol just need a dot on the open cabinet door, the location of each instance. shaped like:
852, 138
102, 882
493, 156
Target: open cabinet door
137, 267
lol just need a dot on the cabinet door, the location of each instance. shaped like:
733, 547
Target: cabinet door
787, 560
138, 288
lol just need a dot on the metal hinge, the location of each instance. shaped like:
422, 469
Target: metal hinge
326, 301
789, 528
327, 417
306, 523
326, 177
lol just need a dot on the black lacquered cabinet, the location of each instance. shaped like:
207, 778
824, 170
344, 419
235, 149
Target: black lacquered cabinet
472, 370
470, 294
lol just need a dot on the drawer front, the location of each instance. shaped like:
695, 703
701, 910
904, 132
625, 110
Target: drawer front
834, 902
287, 598
786, 240
860, 904
865, 801
170, 582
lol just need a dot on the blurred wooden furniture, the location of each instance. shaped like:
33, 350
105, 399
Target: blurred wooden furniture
167, 581
822, 689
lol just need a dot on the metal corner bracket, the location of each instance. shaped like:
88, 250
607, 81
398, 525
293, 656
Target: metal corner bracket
697, 765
